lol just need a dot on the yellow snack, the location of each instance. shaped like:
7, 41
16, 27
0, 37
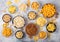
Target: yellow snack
48, 10
35, 5
19, 34
32, 15
35, 38
5, 25
12, 9
6, 32
51, 27
16, 1
28, 2
23, 7
42, 35
8, 2
41, 21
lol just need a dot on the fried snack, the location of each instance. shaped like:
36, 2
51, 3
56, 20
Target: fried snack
23, 7
6, 18
48, 10
12, 9
6, 32
35, 5
8, 2
35, 38
16, 1
41, 21
28, 2
42, 35
18, 22
5, 25
32, 15
19, 34
51, 27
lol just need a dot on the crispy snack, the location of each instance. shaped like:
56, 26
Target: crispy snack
6, 32
19, 34
5, 25
8, 2
28, 2
36, 38
23, 7
51, 27
12, 9
35, 5
6, 18
32, 15
41, 21
42, 35
48, 10
18, 22
16, 1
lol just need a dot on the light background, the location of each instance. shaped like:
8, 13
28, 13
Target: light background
55, 37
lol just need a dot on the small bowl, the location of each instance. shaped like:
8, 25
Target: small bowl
35, 14
20, 31
54, 29
10, 18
